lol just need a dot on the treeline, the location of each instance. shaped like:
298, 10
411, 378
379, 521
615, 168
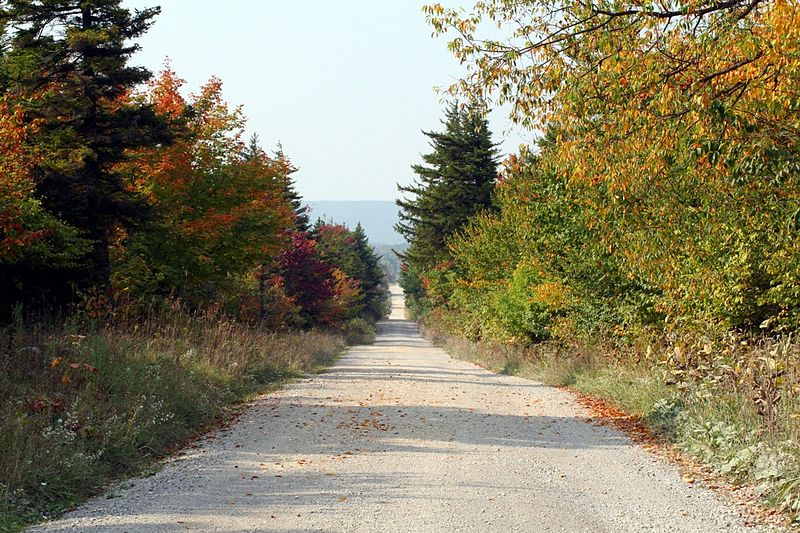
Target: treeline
652, 231
116, 188
155, 266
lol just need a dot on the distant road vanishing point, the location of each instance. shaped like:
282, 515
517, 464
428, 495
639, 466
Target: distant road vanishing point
397, 436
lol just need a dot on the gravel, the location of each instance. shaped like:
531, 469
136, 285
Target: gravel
398, 436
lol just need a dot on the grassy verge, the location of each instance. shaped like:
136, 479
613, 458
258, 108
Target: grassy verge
82, 406
716, 422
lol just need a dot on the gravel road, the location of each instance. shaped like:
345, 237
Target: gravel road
400, 437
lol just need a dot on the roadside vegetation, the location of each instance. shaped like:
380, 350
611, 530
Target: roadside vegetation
84, 404
645, 249
715, 421
155, 268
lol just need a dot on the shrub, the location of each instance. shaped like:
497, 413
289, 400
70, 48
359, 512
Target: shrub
358, 331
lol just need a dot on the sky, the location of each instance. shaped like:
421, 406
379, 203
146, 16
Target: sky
345, 86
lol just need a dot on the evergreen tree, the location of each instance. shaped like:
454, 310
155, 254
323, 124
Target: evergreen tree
284, 171
68, 63
454, 183
372, 277
290, 192
350, 252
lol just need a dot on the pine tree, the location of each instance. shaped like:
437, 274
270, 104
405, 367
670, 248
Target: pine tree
68, 61
454, 183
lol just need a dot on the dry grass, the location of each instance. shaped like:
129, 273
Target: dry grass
732, 405
81, 404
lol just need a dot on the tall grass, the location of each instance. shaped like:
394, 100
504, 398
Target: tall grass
83, 403
731, 404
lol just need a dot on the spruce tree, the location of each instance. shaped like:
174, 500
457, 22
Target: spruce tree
453, 184
373, 279
302, 223
285, 169
68, 61
350, 251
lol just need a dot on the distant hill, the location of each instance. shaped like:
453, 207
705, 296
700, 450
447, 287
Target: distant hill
389, 260
377, 218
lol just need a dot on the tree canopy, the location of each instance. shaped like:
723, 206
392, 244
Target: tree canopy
118, 190
454, 183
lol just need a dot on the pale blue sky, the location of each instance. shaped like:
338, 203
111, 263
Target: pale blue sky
345, 85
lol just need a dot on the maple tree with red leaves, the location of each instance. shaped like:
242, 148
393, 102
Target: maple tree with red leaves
308, 279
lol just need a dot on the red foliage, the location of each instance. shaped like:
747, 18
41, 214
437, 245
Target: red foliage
222, 213
308, 279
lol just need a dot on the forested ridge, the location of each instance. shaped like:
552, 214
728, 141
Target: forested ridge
645, 249
155, 265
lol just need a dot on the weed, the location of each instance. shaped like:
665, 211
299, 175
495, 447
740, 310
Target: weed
83, 405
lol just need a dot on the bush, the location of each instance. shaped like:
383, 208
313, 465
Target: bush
358, 331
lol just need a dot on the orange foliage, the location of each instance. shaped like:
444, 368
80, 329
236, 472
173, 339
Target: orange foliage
223, 205
16, 181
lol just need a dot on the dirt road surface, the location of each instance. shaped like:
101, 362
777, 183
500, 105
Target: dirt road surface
398, 436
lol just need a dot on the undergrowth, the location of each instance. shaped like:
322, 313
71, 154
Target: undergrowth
745, 428
83, 404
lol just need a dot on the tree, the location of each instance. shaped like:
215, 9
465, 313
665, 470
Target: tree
679, 124
350, 252
308, 280
33, 242
68, 66
454, 184
284, 169
219, 211
372, 277
631, 83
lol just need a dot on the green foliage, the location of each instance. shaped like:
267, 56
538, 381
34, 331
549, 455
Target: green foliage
27, 271
536, 267
81, 406
371, 276
520, 312
350, 252
358, 331
218, 207
679, 149
455, 183
67, 67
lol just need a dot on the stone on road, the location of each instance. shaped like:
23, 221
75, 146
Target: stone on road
398, 436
